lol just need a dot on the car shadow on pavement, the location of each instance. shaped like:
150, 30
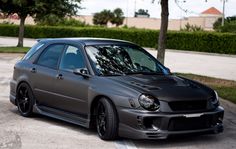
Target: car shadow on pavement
57, 122
221, 140
179, 142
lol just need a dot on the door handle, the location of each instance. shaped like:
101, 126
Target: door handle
33, 70
59, 76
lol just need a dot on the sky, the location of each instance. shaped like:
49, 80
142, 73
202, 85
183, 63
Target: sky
193, 7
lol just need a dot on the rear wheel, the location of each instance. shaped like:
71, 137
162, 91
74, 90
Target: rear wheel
106, 120
25, 100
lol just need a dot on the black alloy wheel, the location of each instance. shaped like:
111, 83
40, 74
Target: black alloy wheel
25, 100
106, 121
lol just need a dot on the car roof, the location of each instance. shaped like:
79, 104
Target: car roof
86, 41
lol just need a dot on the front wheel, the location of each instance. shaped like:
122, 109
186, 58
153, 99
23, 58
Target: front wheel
25, 100
106, 120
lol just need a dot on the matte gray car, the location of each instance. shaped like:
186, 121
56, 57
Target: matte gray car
114, 86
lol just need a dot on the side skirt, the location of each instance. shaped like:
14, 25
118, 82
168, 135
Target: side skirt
61, 115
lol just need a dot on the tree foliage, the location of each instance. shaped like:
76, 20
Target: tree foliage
59, 8
118, 17
20, 7
217, 24
115, 17
102, 18
142, 12
37, 9
229, 26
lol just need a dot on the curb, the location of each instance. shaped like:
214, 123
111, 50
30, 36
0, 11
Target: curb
195, 52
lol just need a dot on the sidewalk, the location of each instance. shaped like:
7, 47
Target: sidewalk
207, 64
212, 65
12, 41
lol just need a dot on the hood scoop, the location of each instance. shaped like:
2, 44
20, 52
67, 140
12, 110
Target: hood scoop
148, 87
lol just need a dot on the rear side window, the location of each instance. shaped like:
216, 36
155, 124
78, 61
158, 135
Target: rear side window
33, 50
50, 56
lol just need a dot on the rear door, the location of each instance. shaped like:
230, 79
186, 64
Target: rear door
44, 72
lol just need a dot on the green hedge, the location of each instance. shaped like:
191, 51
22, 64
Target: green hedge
224, 43
195, 41
229, 27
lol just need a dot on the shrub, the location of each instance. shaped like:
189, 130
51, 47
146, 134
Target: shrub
192, 28
203, 42
229, 27
194, 41
53, 20
49, 19
72, 22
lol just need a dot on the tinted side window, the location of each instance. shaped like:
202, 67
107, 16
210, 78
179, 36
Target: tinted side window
72, 59
33, 50
139, 58
50, 56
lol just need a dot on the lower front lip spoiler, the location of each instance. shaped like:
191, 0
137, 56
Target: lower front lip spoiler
144, 125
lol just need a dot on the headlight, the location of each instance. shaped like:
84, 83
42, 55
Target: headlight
215, 99
149, 102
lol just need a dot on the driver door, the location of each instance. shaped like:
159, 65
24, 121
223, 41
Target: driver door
72, 89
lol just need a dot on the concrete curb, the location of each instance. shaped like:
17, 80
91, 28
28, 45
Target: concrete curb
228, 104
195, 52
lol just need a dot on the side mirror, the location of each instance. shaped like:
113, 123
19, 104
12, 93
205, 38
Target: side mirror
82, 71
168, 70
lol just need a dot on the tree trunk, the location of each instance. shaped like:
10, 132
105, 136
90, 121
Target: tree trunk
21, 31
163, 31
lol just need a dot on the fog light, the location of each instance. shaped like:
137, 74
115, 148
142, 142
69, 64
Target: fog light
155, 128
220, 120
139, 121
132, 103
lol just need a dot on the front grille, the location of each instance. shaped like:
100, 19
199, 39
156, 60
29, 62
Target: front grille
182, 123
188, 105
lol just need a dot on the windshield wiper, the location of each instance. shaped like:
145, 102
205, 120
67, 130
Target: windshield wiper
116, 74
144, 73
133, 73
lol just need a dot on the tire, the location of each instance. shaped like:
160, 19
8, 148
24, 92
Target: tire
25, 100
107, 127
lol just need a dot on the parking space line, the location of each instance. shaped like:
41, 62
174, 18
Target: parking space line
130, 144
125, 144
120, 144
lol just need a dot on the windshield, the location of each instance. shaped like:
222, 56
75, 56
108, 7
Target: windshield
123, 60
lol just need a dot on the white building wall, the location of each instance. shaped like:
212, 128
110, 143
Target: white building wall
205, 21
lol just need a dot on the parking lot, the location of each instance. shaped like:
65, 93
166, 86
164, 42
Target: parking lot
44, 132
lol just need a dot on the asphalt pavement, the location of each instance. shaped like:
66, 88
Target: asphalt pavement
43, 132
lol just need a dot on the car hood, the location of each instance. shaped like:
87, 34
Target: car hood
166, 87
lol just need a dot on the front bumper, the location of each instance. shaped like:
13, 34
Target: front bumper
12, 96
138, 124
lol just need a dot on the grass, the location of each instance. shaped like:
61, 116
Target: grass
14, 49
225, 88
